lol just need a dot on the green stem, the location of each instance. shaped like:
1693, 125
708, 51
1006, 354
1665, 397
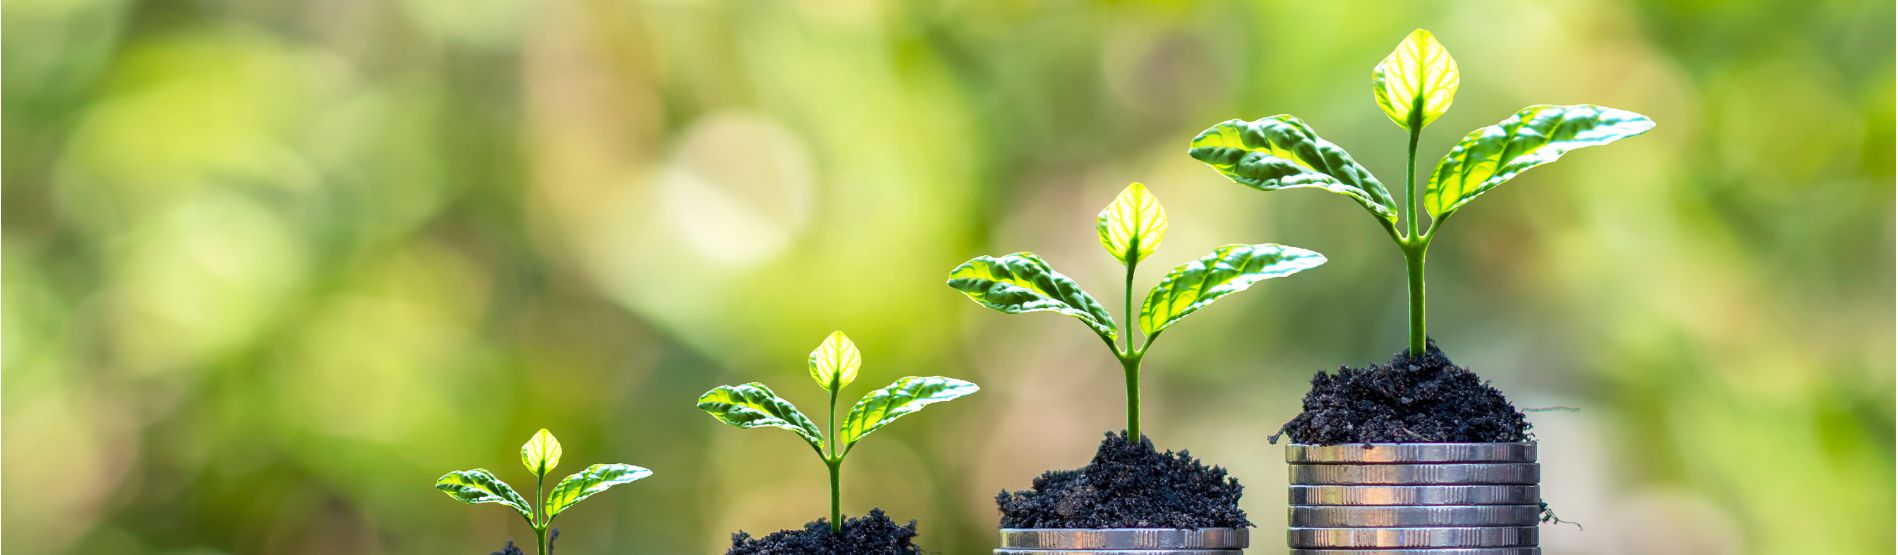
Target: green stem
1127, 310
1129, 358
540, 539
1130, 367
1414, 245
836, 496
1410, 184
834, 461
1414, 263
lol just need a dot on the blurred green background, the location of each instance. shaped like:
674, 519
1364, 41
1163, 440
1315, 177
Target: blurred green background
271, 268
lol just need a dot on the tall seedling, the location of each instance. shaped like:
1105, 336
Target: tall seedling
1130, 229
1413, 86
833, 366
540, 455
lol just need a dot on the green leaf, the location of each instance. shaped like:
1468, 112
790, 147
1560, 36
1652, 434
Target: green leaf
541, 453
480, 486
1535, 136
835, 362
881, 407
754, 406
1281, 152
1228, 270
1022, 282
583, 484
1133, 226
1416, 82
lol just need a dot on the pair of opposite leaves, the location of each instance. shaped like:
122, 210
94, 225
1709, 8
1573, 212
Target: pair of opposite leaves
1414, 85
540, 455
833, 365
1130, 228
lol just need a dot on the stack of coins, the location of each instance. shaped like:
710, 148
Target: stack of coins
1414, 499
1123, 541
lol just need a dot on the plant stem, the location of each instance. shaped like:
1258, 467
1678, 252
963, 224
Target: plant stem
836, 496
540, 527
1414, 263
1130, 367
1129, 359
1414, 245
834, 461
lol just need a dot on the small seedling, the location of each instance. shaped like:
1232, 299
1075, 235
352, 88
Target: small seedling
540, 455
833, 366
1130, 229
1413, 86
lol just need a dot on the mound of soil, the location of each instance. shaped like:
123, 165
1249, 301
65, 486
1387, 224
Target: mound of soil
1411, 399
871, 534
1128, 485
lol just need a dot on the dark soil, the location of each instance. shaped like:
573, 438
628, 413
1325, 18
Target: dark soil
1410, 399
871, 534
1128, 486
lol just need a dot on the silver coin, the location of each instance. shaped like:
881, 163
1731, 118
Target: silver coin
1524, 536
1412, 453
1415, 495
1424, 551
1427, 516
1416, 474
1125, 538
1013, 551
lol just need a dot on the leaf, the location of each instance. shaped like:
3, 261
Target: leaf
583, 484
541, 453
1281, 152
834, 363
1133, 226
1229, 269
1535, 136
754, 406
480, 486
1022, 282
881, 407
1416, 82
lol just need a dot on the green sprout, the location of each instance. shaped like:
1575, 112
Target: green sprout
833, 366
1130, 229
1413, 85
540, 455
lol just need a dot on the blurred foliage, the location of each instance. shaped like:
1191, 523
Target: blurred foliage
271, 267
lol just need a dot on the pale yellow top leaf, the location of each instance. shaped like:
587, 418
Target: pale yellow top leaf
541, 453
834, 363
1133, 225
1417, 79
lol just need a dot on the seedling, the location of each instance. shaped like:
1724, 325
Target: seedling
833, 366
540, 455
1413, 86
1130, 228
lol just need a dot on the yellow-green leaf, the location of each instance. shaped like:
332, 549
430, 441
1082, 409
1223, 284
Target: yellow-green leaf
881, 407
541, 453
1022, 282
583, 484
1133, 226
480, 486
1532, 137
1229, 269
1416, 82
1281, 152
835, 362
755, 406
